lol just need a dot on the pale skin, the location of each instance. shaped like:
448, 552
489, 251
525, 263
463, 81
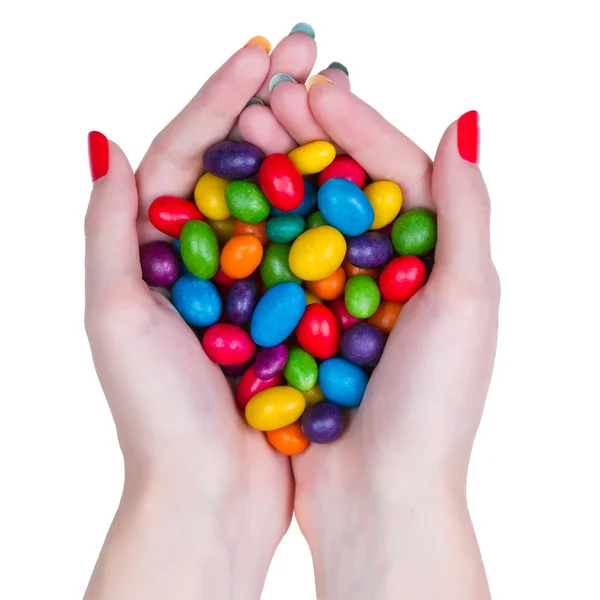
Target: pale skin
206, 500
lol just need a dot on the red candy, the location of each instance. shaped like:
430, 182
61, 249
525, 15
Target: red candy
169, 214
318, 331
228, 345
223, 279
281, 182
402, 278
343, 317
250, 385
344, 167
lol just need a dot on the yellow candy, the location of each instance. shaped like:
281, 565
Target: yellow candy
223, 229
386, 199
312, 157
317, 253
314, 395
210, 197
311, 298
274, 408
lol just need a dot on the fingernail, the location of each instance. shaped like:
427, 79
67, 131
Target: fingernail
316, 79
305, 28
98, 153
338, 65
467, 135
254, 101
278, 78
259, 40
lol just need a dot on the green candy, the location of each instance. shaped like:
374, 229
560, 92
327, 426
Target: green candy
246, 202
284, 229
362, 296
301, 370
315, 220
415, 232
275, 266
199, 249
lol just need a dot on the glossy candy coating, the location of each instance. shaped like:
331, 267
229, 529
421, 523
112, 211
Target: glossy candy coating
342, 316
402, 278
344, 167
242, 300
233, 160
317, 253
331, 287
281, 182
351, 270
250, 385
256, 229
284, 229
197, 301
209, 195
370, 250
169, 214
274, 408
313, 157
199, 249
277, 314
223, 229
362, 344
301, 370
362, 296
323, 423
227, 344
311, 298
386, 316
275, 267
221, 278
314, 395
386, 199
342, 382
344, 206
318, 331
309, 203
241, 256
289, 440
415, 232
246, 202
270, 361
160, 263
315, 220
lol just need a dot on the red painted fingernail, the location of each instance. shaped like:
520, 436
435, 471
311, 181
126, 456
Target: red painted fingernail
468, 136
98, 151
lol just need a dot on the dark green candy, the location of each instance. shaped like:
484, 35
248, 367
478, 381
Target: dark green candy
315, 220
362, 296
199, 249
415, 232
246, 202
301, 370
275, 267
284, 229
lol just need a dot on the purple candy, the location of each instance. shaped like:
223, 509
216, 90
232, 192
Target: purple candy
160, 264
323, 422
362, 344
370, 250
270, 361
241, 300
233, 160
236, 370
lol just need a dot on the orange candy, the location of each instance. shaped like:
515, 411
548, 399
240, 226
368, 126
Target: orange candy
385, 316
351, 271
241, 256
329, 288
241, 228
288, 440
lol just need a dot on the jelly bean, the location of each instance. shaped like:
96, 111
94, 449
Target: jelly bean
284, 229
227, 344
288, 440
317, 253
313, 157
344, 167
318, 331
236, 370
177, 246
309, 203
281, 182
386, 199
362, 344
275, 267
344, 206
415, 232
315, 220
386, 316
250, 385
221, 278
402, 278
274, 408
197, 301
199, 249
311, 298
223, 229
233, 160
331, 287
270, 361
242, 300
323, 423
370, 250
301, 370
209, 195
241, 256
160, 264
314, 395
246, 202
351, 270
277, 314
342, 316
256, 229
342, 382
169, 214
362, 296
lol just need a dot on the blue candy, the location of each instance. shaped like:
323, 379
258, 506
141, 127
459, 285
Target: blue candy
309, 203
342, 382
345, 206
277, 314
197, 301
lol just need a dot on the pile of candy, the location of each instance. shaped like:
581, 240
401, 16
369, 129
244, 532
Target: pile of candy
293, 272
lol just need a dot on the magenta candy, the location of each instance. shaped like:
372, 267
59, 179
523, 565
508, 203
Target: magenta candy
370, 250
270, 361
323, 422
363, 344
160, 264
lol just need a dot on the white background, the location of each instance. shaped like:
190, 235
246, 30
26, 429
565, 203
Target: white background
126, 67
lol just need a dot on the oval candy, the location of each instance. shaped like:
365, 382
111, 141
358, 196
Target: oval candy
370, 250
227, 344
232, 160
362, 344
323, 423
315, 220
241, 256
386, 316
169, 214
284, 229
331, 287
289, 440
362, 296
344, 206
223, 229
281, 182
199, 249
301, 370
250, 385
386, 199
317, 253
274, 408
246, 202
309, 203
255, 229
342, 382
402, 278
196, 300
275, 266
318, 331
344, 167
342, 316
241, 301
314, 395
209, 195
160, 263
313, 157
415, 232
270, 361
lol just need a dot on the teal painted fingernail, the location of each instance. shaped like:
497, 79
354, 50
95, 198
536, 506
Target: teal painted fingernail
305, 28
254, 101
278, 78
338, 65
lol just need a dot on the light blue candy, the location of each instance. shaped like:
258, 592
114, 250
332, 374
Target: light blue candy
345, 206
309, 203
197, 301
284, 229
277, 314
342, 382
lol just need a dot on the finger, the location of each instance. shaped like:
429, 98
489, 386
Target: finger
112, 254
461, 198
259, 126
377, 145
